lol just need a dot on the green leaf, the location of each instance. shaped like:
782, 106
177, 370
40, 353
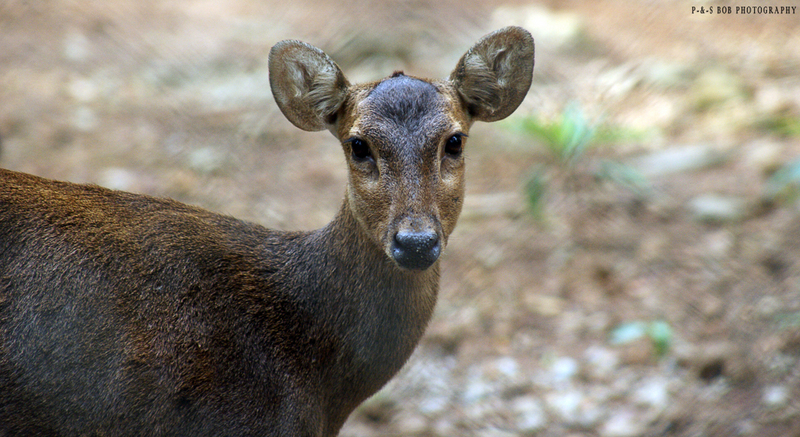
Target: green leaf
785, 183
660, 334
628, 332
626, 176
535, 190
568, 137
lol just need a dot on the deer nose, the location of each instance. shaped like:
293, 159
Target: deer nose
416, 250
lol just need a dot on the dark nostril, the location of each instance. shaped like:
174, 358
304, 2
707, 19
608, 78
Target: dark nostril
417, 241
416, 250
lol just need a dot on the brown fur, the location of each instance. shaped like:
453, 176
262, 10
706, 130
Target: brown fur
122, 314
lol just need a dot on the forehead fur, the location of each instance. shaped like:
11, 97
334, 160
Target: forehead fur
405, 101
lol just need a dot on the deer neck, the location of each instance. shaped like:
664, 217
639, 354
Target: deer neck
369, 280
377, 310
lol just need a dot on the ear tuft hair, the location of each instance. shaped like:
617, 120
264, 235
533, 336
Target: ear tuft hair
494, 75
308, 86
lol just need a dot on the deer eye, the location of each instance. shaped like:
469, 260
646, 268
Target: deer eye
360, 150
453, 146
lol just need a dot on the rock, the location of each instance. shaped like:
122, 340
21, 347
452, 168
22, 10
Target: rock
765, 156
118, 179
677, 160
590, 413
475, 390
557, 374
489, 379
529, 416
768, 306
564, 369
719, 243
83, 90
600, 362
410, 424
653, 393
506, 367
775, 396
623, 423
566, 404
772, 99
205, 160
444, 427
434, 404
77, 47
714, 208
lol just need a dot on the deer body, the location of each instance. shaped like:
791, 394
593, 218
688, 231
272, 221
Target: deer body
122, 314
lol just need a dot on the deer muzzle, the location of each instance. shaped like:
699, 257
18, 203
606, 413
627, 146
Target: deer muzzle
416, 250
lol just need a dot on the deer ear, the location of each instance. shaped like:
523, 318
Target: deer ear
494, 76
308, 86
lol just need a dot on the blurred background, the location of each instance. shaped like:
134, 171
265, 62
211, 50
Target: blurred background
627, 261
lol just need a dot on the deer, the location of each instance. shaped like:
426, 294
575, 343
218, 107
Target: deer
123, 314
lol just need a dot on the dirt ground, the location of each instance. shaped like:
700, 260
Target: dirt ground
171, 98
